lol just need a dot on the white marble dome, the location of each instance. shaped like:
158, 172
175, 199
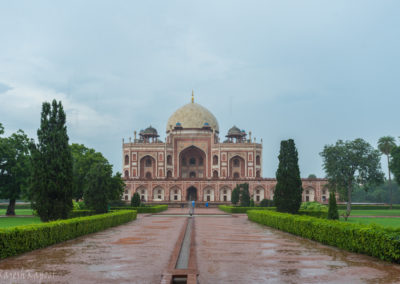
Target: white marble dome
192, 115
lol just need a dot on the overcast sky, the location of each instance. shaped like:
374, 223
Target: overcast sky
315, 71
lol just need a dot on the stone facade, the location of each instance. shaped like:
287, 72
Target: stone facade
192, 163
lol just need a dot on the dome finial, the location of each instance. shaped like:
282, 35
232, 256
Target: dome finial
192, 96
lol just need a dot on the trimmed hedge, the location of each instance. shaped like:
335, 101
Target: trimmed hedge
367, 207
239, 209
17, 206
372, 240
149, 209
81, 213
20, 239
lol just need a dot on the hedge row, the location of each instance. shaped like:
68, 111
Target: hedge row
375, 240
20, 239
147, 209
81, 213
17, 206
368, 207
238, 209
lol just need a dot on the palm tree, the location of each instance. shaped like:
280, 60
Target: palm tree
385, 145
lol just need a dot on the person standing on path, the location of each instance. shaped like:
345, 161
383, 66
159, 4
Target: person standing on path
193, 205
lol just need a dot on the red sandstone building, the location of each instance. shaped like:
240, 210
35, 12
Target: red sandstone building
193, 164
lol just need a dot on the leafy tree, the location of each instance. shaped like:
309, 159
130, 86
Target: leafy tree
135, 201
312, 176
102, 187
351, 163
395, 164
386, 145
51, 188
333, 213
251, 202
244, 195
288, 190
14, 167
83, 159
235, 195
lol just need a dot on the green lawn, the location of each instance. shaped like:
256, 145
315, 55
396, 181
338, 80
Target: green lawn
18, 211
6, 222
384, 212
386, 222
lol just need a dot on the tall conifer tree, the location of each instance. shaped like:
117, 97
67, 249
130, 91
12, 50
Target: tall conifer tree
288, 190
51, 188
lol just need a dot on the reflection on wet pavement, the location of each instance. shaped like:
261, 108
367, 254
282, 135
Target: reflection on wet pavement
235, 250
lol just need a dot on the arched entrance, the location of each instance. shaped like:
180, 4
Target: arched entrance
191, 194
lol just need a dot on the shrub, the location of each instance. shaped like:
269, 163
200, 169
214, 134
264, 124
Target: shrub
314, 213
20, 239
251, 202
367, 207
135, 201
81, 213
244, 195
235, 195
333, 213
313, 206
266, 203
148, 209
239, 209
373, 240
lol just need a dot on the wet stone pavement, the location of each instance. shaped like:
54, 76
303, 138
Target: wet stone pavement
230, 249
236, 250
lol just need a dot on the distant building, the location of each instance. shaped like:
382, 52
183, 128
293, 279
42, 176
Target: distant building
192, 164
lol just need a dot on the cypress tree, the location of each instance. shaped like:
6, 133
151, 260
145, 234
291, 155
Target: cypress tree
333, 213
244, 195
288, 190
235, 195
51, 187
135, 201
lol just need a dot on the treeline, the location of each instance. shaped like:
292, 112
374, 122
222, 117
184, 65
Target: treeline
51, 173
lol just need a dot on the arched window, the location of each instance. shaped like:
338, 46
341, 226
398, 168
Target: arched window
126, 160
192, 161
126, 197
148, 162
215, 160
126, 174
148, 175
236, 162
169, 160
215, 174
192, 174
208, 191
169, 174
258, 162
257, 191
200, 161
236, 175
159, 191
176, 191
258, 174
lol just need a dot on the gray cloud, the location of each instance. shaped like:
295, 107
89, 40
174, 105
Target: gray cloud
315, 71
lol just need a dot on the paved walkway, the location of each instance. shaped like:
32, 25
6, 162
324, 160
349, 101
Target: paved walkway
230, 249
